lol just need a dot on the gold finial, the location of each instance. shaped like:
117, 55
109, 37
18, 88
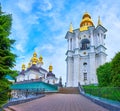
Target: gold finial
34, 54
71, 28
50, 68
23, 67
99, 21
40, 59
29, 65
34, 59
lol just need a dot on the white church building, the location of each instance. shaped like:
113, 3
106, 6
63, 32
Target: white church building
85, 53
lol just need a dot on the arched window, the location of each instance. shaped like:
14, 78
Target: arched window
84, 63
85, 44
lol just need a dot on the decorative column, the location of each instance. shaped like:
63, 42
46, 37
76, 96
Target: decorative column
69, 44
77, 46
76, 70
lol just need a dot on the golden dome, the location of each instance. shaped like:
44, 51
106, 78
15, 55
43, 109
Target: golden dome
29, 65
34, 59
40, 59
23, 66
86, 22
50, 68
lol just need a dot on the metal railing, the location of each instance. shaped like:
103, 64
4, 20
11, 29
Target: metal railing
81, 89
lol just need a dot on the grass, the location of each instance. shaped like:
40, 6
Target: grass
112, 93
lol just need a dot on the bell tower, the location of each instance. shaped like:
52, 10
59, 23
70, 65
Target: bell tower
85, 53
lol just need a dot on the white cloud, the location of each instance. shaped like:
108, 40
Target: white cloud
32, 19
19, 47
25, 5
45, 5
49, 48
20, 33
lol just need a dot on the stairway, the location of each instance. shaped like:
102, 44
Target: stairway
69, 90
9, 109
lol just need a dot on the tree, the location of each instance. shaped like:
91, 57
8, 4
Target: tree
115, 65
104, 74
7, 58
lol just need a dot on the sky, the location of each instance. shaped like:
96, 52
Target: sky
41, 26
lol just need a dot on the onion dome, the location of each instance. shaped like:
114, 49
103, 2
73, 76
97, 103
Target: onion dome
50, 74
29, 65
34, 59
71, 28
23, 67
40, 60
86, 22
50, 68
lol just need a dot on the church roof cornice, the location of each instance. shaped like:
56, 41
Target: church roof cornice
100, 27
101, 46
69, 35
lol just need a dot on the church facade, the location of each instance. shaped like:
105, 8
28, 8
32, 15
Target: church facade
85, 53
35, 71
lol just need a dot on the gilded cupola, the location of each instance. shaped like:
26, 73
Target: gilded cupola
50, 68
40, 60
86, 22
34, 59
23, 67
29, 65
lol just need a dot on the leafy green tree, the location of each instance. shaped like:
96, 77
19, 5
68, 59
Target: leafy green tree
104, 74
14, 74
7, 58
115, 65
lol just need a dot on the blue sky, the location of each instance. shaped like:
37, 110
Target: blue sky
41, 25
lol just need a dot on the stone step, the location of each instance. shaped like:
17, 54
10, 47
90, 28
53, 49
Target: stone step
6, 109
69, 90
9, 109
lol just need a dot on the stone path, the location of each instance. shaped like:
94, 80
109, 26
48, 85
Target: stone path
59, 102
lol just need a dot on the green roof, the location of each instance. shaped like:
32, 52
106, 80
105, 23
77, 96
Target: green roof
34, 86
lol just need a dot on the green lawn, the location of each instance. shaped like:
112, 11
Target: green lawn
112, 93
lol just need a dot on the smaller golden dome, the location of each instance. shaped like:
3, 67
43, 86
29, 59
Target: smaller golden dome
86, 22
50, 68
29, 65
23, 66
40, 60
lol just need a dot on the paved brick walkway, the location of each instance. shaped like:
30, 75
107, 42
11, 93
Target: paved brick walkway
59, 102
